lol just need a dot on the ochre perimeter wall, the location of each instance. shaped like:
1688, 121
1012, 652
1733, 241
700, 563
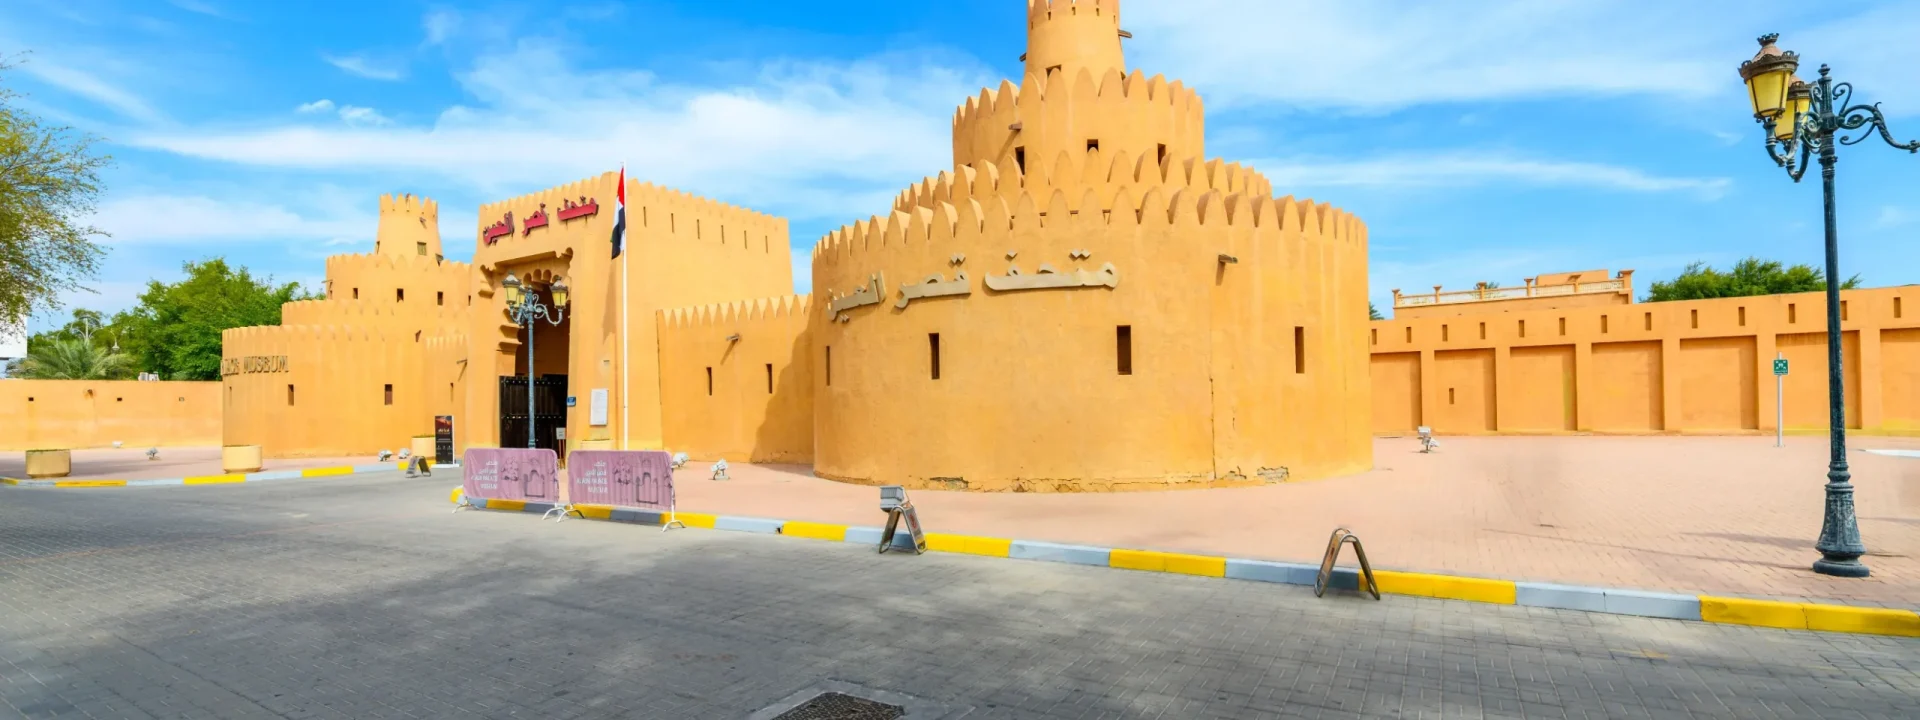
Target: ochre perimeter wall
1703, 366
70, 414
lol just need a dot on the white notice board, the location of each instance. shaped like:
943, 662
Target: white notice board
597, 413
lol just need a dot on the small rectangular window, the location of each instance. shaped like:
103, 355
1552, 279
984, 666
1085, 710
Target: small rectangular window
1563, 326
1123, 348
1483, 331
1449, 396
1696, 318
1020, 158
389, 393
420, 248
1649, 321
1376, 336
829, 365
933, 352
1523, 328
1445, 332
1093, 145
356, 293
1743, 316
1843, 310
399, 294
769, 378
1409, 333
709, 382
440, 298
289, 396
1603, 324
1299, 350
1163, 154
1793, 313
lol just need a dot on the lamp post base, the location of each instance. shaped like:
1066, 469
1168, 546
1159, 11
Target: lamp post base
1840, 547
1840, 567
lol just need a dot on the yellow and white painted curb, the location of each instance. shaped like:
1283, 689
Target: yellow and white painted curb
1697, 608
228, 479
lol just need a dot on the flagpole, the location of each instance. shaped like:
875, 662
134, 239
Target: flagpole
625, 343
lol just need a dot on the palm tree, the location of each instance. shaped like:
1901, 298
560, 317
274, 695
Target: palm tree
73, 360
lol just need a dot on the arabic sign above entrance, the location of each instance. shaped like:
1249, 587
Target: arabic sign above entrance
569, 210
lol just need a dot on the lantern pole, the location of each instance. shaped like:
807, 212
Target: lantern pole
1821, 126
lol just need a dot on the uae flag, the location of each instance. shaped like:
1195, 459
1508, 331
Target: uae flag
620, 214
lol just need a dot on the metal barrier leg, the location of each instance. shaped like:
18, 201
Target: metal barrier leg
1341, 536
893, 524
564, 511
673, 515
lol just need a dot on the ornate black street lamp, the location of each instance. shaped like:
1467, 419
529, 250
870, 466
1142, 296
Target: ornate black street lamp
1800, 120
525, 308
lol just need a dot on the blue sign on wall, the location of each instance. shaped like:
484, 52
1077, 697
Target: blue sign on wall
570, 400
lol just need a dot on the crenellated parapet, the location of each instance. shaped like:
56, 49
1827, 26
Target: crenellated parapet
982, 227
1077, 109
1072, 172
549, 217
346, 312
723, 315
411, 280
1073, 34
409, 227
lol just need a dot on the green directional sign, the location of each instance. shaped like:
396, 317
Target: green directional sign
1780, 367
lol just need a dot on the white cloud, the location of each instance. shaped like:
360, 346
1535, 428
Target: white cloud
93, 88
796, 138
199, 220
1385, 54
354, 115
1454, 170
366, 67
1893, 217
317, 106
439, 25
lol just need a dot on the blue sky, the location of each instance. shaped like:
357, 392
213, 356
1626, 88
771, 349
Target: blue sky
1485, 140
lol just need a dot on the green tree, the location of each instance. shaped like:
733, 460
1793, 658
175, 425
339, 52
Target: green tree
175, 330
49, 181
1373, 313
73, 360
1748, 277
86, 324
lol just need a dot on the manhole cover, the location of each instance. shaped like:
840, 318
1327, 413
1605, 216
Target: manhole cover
841, 706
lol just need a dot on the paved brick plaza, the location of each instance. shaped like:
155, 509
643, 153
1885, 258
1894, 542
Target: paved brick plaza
1726, 515
363, 597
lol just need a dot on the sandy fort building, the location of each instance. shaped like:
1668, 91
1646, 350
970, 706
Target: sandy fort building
1082, 301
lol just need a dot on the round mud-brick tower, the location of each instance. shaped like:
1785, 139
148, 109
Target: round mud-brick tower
1085, 303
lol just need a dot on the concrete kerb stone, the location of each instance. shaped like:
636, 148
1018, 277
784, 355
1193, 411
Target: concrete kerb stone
1054, 552
1652, 604
870, 537
229, 479
1564, 597
746, 524
1672, 606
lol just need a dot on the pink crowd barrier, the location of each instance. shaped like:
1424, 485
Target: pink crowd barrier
532, 475
621, 478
